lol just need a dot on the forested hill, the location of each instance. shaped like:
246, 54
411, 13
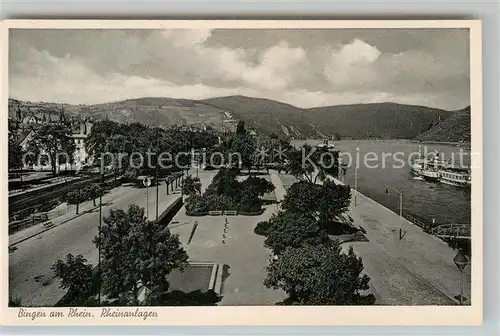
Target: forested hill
356, 121
456, 128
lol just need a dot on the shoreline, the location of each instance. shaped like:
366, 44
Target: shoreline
448, 143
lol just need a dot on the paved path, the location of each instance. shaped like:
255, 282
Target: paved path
278, 185
30, 276
243, 251
416, 270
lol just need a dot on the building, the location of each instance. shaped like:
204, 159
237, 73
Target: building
81, 157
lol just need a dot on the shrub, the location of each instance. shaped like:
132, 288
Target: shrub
250, 202
197, 204
130, 175
225, 192
257, 185
263, 228
221, 203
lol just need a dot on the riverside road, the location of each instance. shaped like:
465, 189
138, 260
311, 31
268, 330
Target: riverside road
30, 275
416, 270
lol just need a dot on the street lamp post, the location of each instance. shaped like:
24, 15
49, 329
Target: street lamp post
355, 185
100, 225
77, 200
182, 186
401, 235
157, 186
147, 202
461, 261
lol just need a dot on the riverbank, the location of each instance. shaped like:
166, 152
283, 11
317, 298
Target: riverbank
417, 269
456, 144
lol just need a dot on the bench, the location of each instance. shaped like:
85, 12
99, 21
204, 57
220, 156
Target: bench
231, 213
48, 224
215, 213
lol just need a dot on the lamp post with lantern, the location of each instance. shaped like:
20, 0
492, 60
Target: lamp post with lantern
401, 233
461, 262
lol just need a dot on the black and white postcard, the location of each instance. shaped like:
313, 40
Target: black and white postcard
241, 172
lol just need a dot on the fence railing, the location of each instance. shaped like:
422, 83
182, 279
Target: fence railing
419, 222
39, 217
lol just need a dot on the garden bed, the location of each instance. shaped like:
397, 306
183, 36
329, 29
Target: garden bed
227, 194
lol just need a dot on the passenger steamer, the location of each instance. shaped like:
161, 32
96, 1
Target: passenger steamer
456, 176
428, 168
435, 169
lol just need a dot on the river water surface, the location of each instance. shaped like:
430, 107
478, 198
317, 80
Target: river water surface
441, 202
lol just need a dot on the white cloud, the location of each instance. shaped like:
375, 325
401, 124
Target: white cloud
352, 64
183, 64
356, 52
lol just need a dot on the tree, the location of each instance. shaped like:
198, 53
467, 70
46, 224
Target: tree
191, 186
136, 254
240, 127
313, 164
119, 145
323, 201
225, 183
249, 201
77, 196
55, 140
77, 276
320, 275
94, 191
302, 197
257, 185
96, 142
294, 230
15, 155
334, 200
244, 145
15, 302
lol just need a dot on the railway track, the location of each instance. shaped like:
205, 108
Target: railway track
44, 199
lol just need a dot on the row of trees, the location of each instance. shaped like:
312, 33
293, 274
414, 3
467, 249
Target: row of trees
255, 151
308, 264
121, 140
88, 192
54, 140
226, 192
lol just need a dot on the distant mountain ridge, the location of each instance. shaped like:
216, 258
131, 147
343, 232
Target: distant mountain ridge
355, 121
456, 128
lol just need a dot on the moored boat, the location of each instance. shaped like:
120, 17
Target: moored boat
428, 167
431, 174
326, 144
459, 177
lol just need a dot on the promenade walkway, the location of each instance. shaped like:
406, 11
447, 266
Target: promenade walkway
416, 270
278, 185
242, 252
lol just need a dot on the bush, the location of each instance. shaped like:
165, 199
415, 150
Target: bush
197, 204
220, 203
263, 228
130, 175
226, 193
257, 185
250, 202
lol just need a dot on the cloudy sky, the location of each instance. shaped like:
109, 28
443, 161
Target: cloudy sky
305, 68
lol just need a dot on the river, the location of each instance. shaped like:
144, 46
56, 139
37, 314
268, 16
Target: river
441, 202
